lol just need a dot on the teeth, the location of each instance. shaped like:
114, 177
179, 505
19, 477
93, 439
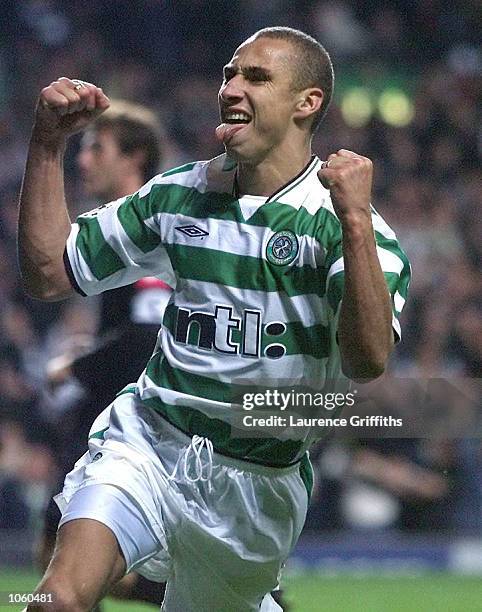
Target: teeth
237, 116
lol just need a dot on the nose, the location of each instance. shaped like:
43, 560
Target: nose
83, 159
231, 91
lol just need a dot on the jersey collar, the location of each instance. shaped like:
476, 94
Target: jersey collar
284, 189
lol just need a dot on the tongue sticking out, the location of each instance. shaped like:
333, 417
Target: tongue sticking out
226, 131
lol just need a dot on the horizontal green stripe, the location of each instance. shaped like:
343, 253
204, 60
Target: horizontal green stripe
257, 450
323, 226
337, 285
178, 199
97, 253
298, 339
389, 244
179, 169
164, 375
181, 200
244, 272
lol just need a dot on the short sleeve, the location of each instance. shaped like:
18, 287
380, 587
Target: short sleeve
118, 243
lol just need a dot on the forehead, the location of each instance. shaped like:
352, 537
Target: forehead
98, 138
271, 53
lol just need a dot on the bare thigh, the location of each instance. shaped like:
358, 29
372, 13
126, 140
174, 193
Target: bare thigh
87, 560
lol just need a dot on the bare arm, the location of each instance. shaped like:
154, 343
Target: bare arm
365, 325
43, 221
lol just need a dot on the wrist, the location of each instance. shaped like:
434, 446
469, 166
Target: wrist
356, 224
48, 142
357, 217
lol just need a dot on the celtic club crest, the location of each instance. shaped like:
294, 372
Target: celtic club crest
282, 248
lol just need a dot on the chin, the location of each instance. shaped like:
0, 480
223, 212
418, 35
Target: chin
234, 153
243, 154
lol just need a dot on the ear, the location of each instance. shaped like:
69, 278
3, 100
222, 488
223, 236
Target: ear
137, 158
308, 103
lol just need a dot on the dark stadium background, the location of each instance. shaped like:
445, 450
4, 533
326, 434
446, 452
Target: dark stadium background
394, 524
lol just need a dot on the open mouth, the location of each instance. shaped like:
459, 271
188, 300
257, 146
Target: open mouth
236, 118
232, 122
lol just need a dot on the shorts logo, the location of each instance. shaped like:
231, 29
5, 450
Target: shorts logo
282, 248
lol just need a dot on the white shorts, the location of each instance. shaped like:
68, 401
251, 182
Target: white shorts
217, 529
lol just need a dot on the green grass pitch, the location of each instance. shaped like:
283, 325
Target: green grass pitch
316, 593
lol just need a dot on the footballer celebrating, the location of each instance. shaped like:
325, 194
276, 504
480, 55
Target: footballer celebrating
281, 270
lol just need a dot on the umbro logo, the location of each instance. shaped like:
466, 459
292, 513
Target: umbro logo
193, 231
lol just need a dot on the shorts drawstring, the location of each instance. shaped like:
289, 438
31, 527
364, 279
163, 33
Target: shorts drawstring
196, 447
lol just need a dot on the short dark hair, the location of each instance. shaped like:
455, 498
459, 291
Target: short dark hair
136, 128
313, 65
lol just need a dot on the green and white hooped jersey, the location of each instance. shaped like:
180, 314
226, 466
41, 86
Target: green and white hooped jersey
257, 287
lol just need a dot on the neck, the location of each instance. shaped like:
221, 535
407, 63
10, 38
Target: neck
127, 185
274, 171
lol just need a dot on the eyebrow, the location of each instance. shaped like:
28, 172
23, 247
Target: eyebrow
256, 73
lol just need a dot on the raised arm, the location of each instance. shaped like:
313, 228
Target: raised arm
365, 332
64, 107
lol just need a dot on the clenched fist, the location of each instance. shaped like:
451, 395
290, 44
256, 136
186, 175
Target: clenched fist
67, 106
349, 177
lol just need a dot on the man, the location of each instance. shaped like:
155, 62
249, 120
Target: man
119, 152
274, 279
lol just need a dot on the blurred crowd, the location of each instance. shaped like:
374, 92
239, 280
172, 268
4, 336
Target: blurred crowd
169, 55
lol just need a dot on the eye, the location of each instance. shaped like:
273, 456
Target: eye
228, 74
256, 75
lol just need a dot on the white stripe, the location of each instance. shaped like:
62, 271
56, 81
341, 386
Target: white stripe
230, 237
319, 197
156, 262
389, 262
195, 178
233, 369
148, 389
336, 267
115, 235
397, 328
80, 269
309, 309
84, 276
379, 225
296, 183
398, 301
